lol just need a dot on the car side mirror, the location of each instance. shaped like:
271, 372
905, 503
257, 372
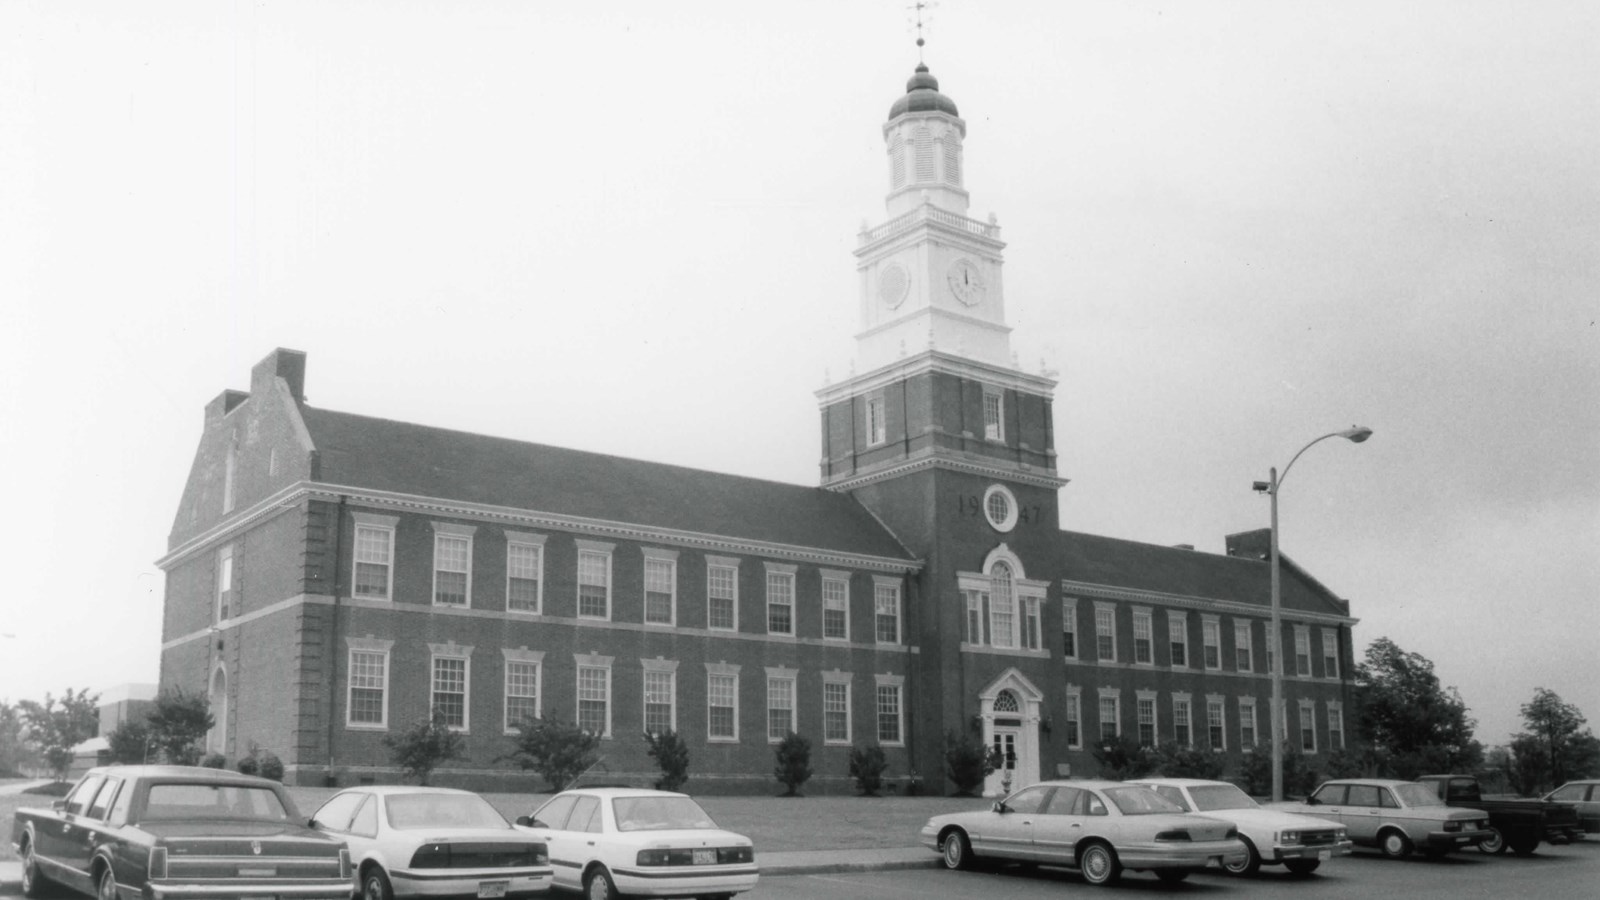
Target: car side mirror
524, 820
1000, 807
1312, 801
58, 805
311, 823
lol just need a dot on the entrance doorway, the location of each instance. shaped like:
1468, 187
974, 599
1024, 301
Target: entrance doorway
1009, 710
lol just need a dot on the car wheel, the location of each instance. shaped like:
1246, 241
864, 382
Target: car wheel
1394, 844
1251, 864
599, 886
1172, 876
957, 850
106, 885
33, 881
1302, 867
1494, 843
1099, 864
1524, 847
375, 885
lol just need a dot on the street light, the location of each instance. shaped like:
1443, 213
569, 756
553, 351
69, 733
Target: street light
1354, 434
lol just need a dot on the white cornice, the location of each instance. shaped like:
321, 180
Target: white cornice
1182, 601
284, 500
929, 460
930, 361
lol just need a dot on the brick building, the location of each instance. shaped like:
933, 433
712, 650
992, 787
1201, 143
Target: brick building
332, 577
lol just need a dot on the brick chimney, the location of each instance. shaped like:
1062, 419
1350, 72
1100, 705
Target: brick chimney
1251, 544
290, 365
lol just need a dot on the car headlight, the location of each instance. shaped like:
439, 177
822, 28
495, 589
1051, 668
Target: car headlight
1288, 837
1453, 826
1341, 835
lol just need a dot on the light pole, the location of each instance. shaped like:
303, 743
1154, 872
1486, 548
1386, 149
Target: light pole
1354, 434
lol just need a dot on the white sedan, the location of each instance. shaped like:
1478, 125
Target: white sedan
433, 842
1300, 843
610, 842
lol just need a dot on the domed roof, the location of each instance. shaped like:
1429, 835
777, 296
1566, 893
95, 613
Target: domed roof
922, 95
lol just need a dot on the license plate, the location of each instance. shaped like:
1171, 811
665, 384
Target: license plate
705, 857
1324, 855
492, 888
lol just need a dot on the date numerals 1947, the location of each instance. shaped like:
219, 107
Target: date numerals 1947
972, 505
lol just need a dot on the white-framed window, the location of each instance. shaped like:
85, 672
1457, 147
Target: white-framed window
891, 710
1105, 631
886, 609
1216, 722
780, 598
225, 610
594, 579
1002, 605
836, 708
1145, 709
1335, 725
660, 586
780, 703
660, 695
1211, 636
1308, 726
1143, 637
1110, 713
451, 687
994, 406
722, 702
524, 572
722, 593
452, 564
371, 577
1243, 646
367, 697
977, 617
835, 606
1247, 723
1182, 720
877, 422
1000, 508
594, 693
1178, 638
1302, 650
1069, 627
1273, 645
1330, 653
1031, 638
523, 679
1074, 717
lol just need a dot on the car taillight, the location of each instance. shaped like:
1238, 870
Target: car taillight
158, 862
541, 854
1176, 834
654, 857
737, 854
1230, 834
345, 870
431, 856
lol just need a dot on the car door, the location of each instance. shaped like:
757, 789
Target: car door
65, 842
1059, 826
571, 843
1327, 803
1009, 832
1363, 812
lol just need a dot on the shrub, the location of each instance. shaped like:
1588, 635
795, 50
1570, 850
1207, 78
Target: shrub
1347, 762
272, 767
178, 723
131, 743
793, 768
560, 751
1122, 757
249, 765
968, 761
672, 755
866, 767
1256, 772
424, 745
214, 761
1175, 760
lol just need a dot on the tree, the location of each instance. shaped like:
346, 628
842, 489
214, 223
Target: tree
424, 745
15, 752
1256, 772
1175, 760
560, 751
131, 743
672, 755
178, 724
1413, 724
1555, 748
793, 767
866, 767
968, 761
1122, 757
57, 727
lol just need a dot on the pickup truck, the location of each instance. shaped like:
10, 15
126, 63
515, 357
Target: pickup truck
178, 833
1517, 824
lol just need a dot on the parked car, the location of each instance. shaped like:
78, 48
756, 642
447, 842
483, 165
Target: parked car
158, 832
1271, 836
433, 842
1517, 824
1397, 817
608, 842
1585, 796
1097, 827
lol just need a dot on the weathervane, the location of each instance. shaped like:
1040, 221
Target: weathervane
919, 6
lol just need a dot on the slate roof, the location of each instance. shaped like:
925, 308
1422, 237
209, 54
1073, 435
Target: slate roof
385, 455
1175, 570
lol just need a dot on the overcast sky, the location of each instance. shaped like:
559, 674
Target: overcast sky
627, 227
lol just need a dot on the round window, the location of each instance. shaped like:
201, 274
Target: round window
1000, 508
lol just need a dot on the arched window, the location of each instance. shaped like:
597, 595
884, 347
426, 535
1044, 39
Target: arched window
1007, 703
1003, 606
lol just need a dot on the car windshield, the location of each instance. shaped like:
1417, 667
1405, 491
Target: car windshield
1140, 801
170, 802
408, 812
659, 814
1208, 797
1417, 795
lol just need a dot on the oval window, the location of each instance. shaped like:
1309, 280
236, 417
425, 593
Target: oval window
1000, 508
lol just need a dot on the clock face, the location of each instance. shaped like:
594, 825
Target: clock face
966, 282
893, 284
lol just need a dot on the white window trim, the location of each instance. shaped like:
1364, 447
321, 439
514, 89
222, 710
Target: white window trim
1145, 615
1099, 607
999, 396
1255, 724
1179, 619
1308, 715
1302, 636
1246, 628
669, 667
898, 682
594, 661
1155, 714
367, 644
877, 416
1069, 625
890, 583
1210, 624
782, 673
786, 572
372, 522
1335, 714
604, 550
521, 656
1075, 704
834, 576
670, 558
1115, 696
1187, 700
1222, 704
727, 671
225, 584
722, 562
452, 531
452, 650
1330, 642
844, 678
537, 542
